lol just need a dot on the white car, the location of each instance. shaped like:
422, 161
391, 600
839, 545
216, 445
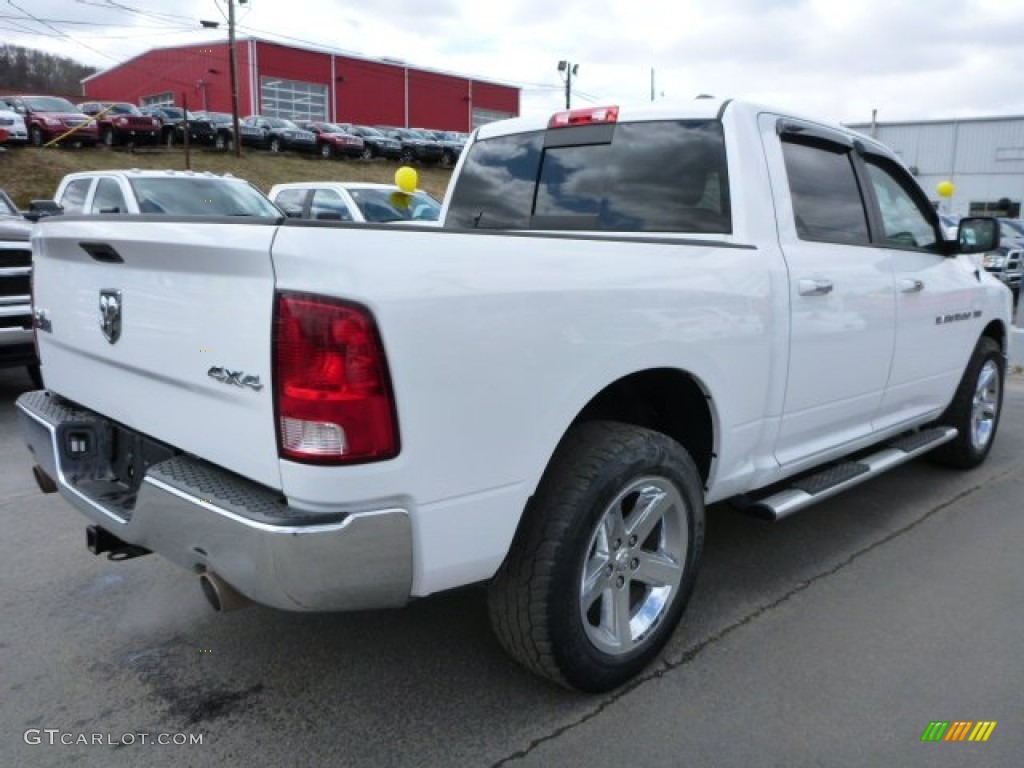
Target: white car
176, 193
14, 125
362, 202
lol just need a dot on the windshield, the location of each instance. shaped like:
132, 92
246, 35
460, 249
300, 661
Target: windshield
123, 109
201, 196
382, 204
50, 104
280, 122
367, 131
331, 128
218, 117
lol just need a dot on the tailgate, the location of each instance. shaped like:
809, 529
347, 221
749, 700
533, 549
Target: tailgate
165, 327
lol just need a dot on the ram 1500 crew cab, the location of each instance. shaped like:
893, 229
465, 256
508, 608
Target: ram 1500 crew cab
626, 316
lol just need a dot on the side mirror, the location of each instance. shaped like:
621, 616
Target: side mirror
293, 213
977, 234
39, 209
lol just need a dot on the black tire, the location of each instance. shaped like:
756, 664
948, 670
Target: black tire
108, 137
169, 138
407, 156
275, 145
221, 142
326, 151
540, 606
36, 375
975, 409
447, 159
35, 135
367, 153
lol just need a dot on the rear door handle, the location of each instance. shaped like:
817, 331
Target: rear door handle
911, 286
813, 287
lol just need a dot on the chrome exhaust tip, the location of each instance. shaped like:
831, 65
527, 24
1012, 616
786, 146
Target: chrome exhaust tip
221, 595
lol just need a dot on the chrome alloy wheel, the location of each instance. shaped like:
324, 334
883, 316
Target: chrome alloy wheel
634, 565
985, 407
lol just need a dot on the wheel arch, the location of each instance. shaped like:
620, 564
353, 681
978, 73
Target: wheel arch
996, 331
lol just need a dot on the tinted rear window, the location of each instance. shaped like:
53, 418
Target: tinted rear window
652, 177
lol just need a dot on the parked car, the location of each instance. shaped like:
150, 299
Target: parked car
354, 201
451, 143
375, 143
13, 126
177, 193
1012, 228
173, 121
333, 140
223, 127
416, 146
16, 345
122, 123
51, 117
278, 134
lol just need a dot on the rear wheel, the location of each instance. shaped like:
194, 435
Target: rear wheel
447, 159
367, 153
36, 136
975, 409
275, 144
407, 156
605, 558
108, 137
326, 151
169, 139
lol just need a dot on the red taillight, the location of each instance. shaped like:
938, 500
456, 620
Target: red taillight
334, 401
587, 116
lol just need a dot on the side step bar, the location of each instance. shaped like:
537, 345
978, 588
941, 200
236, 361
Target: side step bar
837, 478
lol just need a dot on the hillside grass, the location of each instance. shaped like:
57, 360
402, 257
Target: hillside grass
28, 173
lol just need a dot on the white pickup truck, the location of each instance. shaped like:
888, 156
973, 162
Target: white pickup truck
626, 316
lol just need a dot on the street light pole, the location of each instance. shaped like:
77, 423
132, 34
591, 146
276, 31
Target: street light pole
570, 69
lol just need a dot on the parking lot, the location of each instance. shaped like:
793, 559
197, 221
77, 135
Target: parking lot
830, 639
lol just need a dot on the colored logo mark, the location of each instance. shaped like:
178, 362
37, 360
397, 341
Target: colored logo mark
958, 730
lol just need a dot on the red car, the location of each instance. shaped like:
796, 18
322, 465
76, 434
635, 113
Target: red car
333, 140
122, 123
51, 117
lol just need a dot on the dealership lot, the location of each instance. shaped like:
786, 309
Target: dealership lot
832, 638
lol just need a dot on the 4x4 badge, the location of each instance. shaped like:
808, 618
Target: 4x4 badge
110, 315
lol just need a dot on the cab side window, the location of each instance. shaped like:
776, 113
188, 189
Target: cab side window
291, 201
328, 204
906, 222
108, 198
827, 202
73, 199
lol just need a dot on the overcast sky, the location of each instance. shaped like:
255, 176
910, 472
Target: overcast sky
836, 59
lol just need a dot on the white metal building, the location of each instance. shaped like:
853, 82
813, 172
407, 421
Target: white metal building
983, 157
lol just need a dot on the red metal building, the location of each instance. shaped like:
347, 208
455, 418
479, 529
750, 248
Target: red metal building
305, 83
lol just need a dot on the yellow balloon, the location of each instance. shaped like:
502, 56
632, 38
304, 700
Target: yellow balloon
945, 188
406, 179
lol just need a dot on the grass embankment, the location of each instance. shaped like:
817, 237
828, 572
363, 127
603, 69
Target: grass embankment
27, 173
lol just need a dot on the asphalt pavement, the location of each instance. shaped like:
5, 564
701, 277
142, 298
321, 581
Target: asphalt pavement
832, 638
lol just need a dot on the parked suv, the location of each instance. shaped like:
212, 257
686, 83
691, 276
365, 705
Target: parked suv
172, 130
375, 143
122, 123
51, 117
334, 140
278, 134
16, 345
415, 145
12, 127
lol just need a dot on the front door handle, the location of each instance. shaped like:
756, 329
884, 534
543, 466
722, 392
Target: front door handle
911, 286
815, 287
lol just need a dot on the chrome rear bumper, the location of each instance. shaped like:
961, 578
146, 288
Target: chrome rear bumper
207, 519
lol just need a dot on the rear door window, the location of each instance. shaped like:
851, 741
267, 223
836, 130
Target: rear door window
827, 202
73, 198
292, 201
665, 176
108, 198
328, 204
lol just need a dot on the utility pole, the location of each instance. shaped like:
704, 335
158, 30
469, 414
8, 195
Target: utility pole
234, 76
570, 69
